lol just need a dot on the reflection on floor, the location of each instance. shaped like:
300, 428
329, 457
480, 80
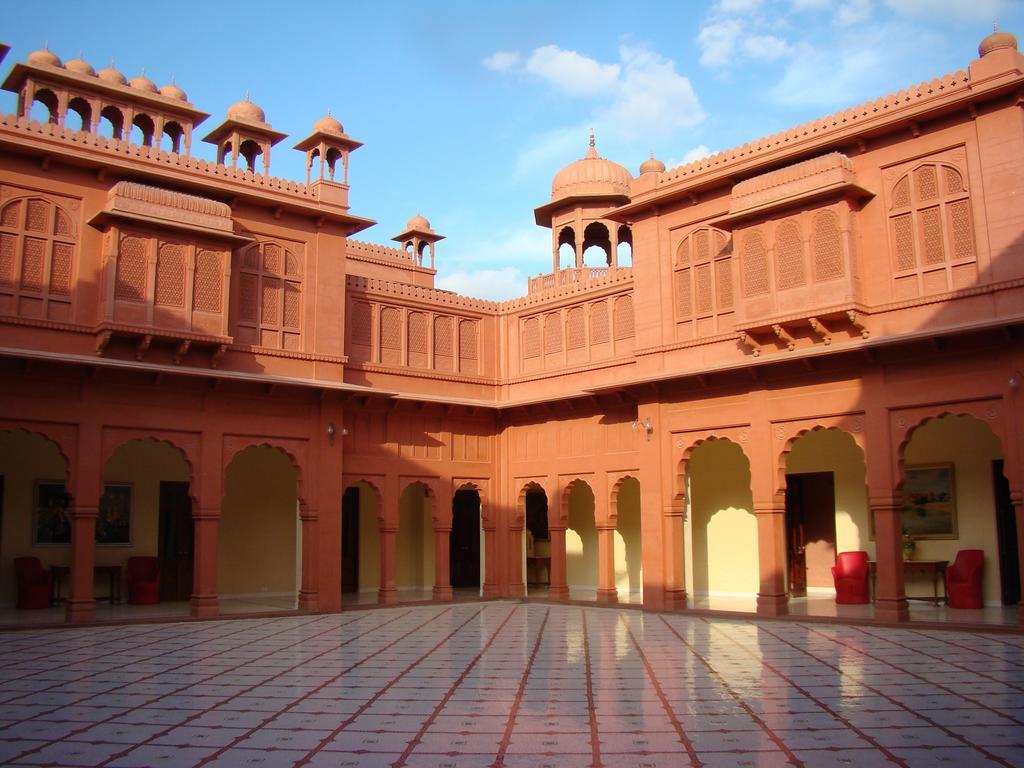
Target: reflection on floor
509, 684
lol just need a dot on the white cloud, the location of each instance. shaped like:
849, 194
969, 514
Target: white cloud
766, 47
696, 153
502, 61
717, 42
572, 71
653, 97
493, 284
978, 9
853, 12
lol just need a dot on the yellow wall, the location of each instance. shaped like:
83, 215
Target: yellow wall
971, 446
369, 540
25, 458
415, 540
724, 540
628, 570
256, 539
831, 450
581, 538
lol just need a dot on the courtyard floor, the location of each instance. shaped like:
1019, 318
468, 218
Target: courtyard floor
509, 684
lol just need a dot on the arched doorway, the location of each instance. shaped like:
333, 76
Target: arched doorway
628, 554
581, 556
723, 530
259, 538
360, 543
414, 547
464, 540
951, 482
536, 539
146, 511
34, 515
826, 508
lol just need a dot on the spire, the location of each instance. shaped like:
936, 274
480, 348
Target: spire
592, 150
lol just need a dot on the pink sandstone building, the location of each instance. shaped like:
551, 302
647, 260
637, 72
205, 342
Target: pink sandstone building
817, 346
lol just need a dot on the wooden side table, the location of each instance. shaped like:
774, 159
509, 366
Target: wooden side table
934, 568
112, 572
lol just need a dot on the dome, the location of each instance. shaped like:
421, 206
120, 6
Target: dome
246, 110
652, 165
44, 57
593, 175
172, 91
997, 40
111, 75
80, 66
143, 83
419, 223
328, 125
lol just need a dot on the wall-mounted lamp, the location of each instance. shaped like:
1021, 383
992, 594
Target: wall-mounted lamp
646, 424
331, 432
1015, 379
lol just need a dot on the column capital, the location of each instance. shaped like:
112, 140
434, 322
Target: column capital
210, 513
769, 508
83, 512
559, 527
308, 514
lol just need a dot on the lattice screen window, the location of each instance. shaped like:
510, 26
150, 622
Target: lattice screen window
703, 274
444, 344
552, 333
362, 324
469, 345
827, 246
790, 269
930, 222
622, 318
208, 286
417, 339
576, 329
531, 337
37, 249
391, 336
170, 275
270, 293
599, 322
754, 258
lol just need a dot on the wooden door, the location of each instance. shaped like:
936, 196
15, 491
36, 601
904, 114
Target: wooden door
176, 542
1006, 531
811, 530
464, 542
350, 540
795, 537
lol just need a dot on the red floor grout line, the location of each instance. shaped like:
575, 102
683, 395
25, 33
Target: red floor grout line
91, 724
945, 729
595, 739
972, 650
411, 745
876, 691
499, 760
372, 700
680, 731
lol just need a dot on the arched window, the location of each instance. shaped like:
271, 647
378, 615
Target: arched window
566, 248
596, 236
703, 278
37, 249
142, 130
83, 110
270, 296
44, 107
111, 123
624, 257
250, 150
172, 137
930, 224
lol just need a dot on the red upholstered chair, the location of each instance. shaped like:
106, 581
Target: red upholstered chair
850, 574
963, 579
35, 583
143, 580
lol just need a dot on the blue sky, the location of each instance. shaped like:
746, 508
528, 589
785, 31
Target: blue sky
468, 108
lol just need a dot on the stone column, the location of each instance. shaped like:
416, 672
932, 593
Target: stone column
772, 599
490, 584
1017, 500
890, 594
606, 590
387, 594
309, 593
675, 564
81, 605
559, 589
204, 602
442, 564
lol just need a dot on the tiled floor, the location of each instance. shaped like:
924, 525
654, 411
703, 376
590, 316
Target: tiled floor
509, 684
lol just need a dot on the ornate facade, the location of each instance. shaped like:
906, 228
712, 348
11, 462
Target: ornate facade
817, 346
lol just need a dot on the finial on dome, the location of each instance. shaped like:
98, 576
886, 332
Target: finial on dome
592, 142
997, 40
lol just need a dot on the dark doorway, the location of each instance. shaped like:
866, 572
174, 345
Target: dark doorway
176, 541
350, 540
464, 549
810, 530
1006, 531
538, 557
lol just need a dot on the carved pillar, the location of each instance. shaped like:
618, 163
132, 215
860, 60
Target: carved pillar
890, 595
81, 605
388, 593
772, 599
613, 244
490, 584
606, 590
675, 565
559, 589
1017, 500
442, 564
309, 593
204, 602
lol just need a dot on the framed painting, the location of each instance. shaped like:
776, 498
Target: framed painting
51, 524
929, 502
113, 525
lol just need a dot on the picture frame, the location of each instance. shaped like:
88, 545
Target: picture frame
51, 519
113, 524
929, 502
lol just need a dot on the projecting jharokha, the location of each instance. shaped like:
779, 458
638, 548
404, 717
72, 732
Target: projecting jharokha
213, 392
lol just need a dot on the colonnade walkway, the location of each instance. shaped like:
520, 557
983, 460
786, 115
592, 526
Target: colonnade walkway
476, 684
